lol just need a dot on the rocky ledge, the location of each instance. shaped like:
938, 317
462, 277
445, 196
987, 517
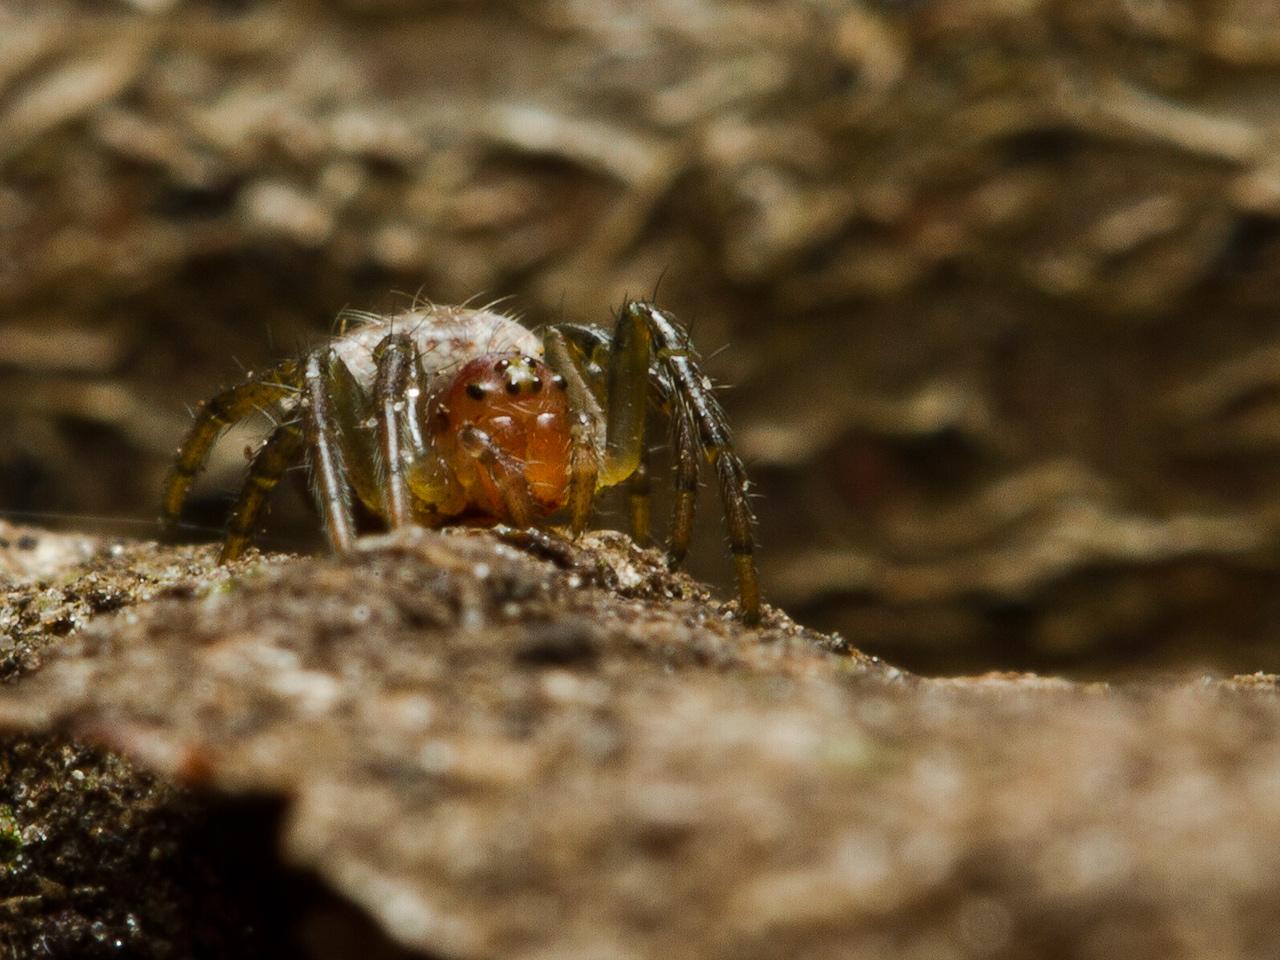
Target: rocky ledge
448, 745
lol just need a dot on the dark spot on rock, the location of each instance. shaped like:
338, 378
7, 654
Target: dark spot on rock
178, 591
422, 610
104, 601
557, 644
61, 626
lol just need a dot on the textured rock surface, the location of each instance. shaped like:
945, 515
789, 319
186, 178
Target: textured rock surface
483, 753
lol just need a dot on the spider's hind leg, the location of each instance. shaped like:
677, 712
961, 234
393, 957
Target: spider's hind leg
214, 416
269, 464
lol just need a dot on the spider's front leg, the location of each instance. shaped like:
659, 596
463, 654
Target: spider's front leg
583, 357
646, 334
395, 407
372, 464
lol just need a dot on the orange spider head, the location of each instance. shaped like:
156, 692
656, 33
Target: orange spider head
523, 408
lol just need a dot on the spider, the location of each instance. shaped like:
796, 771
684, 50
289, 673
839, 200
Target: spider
444, 415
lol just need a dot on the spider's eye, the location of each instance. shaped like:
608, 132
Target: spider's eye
535, 384
475, 391
560, 383
512, 387
501, 365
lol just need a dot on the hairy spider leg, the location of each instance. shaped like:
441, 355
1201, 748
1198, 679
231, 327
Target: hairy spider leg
686, 484
397, 360
685, 466
328, 473
704, 419
214, 416
269, 464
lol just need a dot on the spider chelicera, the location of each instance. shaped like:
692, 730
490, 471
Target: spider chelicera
445, 415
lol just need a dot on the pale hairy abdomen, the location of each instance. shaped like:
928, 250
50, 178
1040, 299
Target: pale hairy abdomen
445, 337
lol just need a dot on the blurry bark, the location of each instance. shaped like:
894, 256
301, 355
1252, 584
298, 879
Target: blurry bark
996, 277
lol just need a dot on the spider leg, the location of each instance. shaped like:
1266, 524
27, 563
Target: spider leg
437, 494
638, 500
268, 466
586, 435
505, 472
584, 471
214, 416
435, 491
686, 482
397, 363
582, 355
628, 393
351, 413
333, 490
639, 324
685, 455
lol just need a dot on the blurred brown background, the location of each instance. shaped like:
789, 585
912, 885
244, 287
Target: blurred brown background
996, 283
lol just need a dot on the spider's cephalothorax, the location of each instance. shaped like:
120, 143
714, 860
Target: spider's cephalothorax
452, 414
